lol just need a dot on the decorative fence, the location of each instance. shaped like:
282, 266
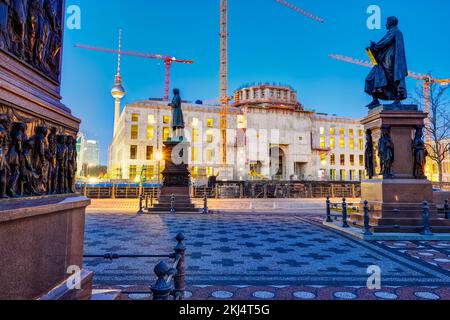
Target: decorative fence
340, 212
116, 191
171, 279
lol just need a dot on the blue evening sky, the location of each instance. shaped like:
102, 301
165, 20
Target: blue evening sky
267, 42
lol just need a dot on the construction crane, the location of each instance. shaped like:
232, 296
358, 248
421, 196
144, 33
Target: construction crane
224, 98
300, 10
427, 79
168, 61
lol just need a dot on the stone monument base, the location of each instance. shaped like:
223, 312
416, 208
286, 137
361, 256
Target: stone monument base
176, 180
42, 241
396, 204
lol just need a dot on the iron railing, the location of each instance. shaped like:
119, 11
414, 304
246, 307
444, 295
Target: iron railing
171, 279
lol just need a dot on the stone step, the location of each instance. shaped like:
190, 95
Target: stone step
106, 295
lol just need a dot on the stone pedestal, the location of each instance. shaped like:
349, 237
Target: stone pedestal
398, 200
176, 179
41, 239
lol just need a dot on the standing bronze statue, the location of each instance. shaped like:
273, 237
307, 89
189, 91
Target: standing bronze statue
3, 161
51, 159
61, 164
40, 162
420, 154
386, 81
30, 178
18, 26
71, 163
14, 157
369, 155
177, 114
386, 153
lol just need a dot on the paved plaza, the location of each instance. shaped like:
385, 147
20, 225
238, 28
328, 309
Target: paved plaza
278, 254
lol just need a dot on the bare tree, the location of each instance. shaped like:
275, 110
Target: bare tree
438, 132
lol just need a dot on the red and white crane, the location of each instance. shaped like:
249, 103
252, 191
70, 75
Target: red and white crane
168, 61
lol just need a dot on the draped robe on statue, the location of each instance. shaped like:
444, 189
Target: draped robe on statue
386, 81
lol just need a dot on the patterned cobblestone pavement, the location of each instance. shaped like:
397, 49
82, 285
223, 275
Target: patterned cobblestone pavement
265, 256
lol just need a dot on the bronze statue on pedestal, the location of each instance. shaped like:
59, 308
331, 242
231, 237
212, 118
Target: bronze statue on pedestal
71, 163
61, 164
369, 155
3, 161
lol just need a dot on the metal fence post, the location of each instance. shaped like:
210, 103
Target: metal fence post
205, 204
447, 210
146, 201
329, 220
172, 204
161, 289
180, 276
367, 231
344, 214
426, 220
141, 199
151, 198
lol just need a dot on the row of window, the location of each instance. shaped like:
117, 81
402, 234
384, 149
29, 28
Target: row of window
332, 132
342, 175
342, 159
150, 173
342, 144
166, 120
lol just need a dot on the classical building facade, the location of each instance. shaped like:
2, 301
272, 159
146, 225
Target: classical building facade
270, 136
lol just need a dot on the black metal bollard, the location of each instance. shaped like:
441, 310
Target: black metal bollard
447, 210
367, 231
141, 199
180, 276
426, 220
172, 204
161, 289
344, 214
329, 219
205, 204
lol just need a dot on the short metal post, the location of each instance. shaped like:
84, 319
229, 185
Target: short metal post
141, 211
447, 210
161, 289
344, 214
172, 204
367, 231
426, 220
329, 219
205, 204
146, 202
151, 198
180, 276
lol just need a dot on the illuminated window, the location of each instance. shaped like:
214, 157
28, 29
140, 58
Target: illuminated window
361, 144
361, 160
342, 159
133, 172
352, 159
166, 119
195, 135
351, 132
322, 142
322, 130
362, 174
134, 131
332, 131
333, 159
242, 123
333, 174
352, 144
210, 123
209, 171
343, 175
133, 152
195, 122
149, 155
135, 117
166, 133
342, 143
332, 142
209, 137
151, 119
341, 132
149, 172
361, 133
323, 158
352, 175
209, 155
150, 132
194, 154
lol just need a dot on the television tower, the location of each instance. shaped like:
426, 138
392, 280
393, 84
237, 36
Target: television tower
117, 91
